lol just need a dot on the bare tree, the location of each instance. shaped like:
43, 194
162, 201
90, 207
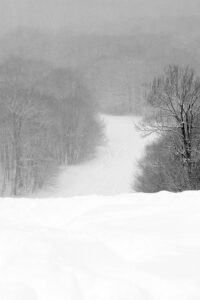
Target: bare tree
78, 130
26, 121
47, 119
175, 97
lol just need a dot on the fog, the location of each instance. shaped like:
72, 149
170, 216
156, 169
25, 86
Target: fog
76, 61
99, 98
91, 15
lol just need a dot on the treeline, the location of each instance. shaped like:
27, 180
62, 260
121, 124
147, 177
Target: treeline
172, 162
116, 66
47, 119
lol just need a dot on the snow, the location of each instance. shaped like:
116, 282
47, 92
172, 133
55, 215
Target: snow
141, 247
113, 169
95, 247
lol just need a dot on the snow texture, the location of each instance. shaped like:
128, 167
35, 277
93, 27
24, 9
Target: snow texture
141, 247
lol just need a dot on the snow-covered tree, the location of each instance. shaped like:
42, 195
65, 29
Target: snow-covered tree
175, 97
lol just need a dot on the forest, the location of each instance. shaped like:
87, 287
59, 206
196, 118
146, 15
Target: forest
172, 161
47, 120
54, 88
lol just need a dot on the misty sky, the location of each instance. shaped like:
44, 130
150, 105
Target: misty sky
88, 15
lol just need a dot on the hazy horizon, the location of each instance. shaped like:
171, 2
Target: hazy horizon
88, 16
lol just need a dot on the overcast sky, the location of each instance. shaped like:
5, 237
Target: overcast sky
87, 15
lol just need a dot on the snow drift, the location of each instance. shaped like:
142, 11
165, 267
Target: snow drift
141, 247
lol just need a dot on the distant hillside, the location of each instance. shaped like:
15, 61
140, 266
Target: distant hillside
116, 68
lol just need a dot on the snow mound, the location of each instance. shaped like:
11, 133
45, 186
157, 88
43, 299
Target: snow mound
16, 292
141, 247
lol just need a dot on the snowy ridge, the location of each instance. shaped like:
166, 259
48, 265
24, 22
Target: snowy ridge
136, 246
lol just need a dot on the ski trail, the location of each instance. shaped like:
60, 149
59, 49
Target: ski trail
112, 171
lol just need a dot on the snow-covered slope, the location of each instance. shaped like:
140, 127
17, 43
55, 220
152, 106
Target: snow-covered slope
128, 247
131, 247
112, 171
